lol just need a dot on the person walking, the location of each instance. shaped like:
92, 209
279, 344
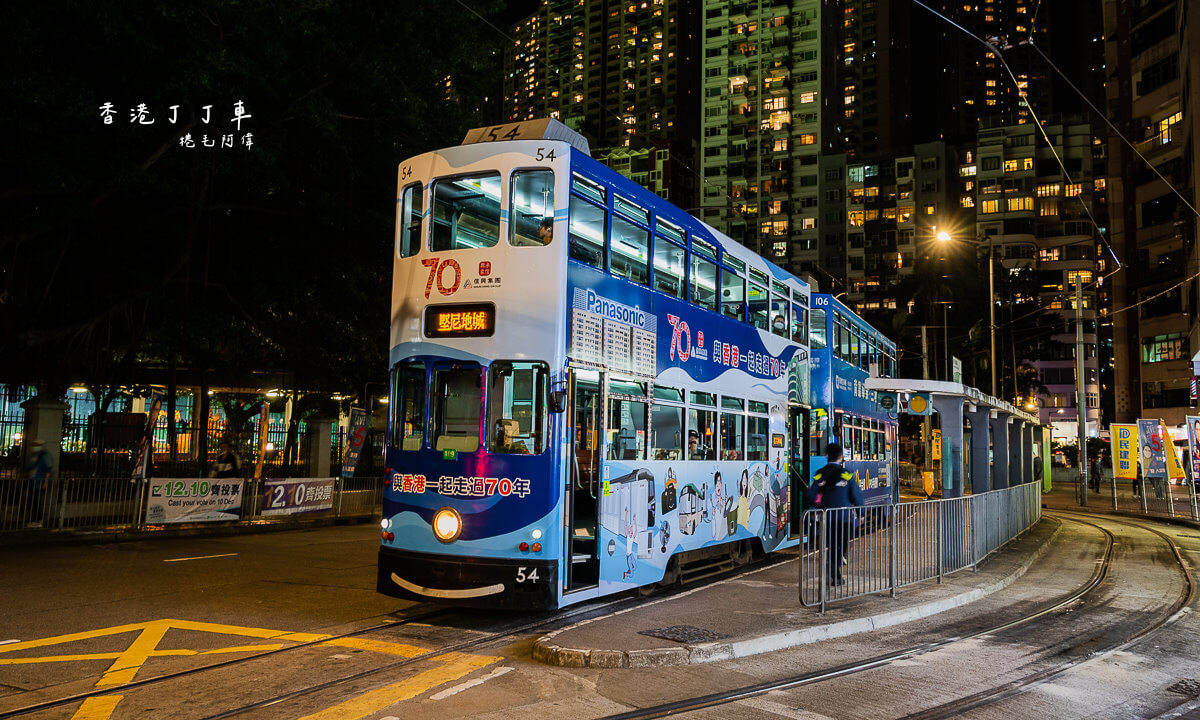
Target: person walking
834, 487
37, 469
228, 464
1097, 471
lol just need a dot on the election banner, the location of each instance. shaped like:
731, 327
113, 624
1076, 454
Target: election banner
1047, 472
291, 496
1150, 442
1174, 469
1193, 438
1124, 451
193, 500
142, 465
356, 436
263, 425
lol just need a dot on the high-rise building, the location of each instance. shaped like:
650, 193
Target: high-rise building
624, 74
764, 113
1033, 216
1151, 91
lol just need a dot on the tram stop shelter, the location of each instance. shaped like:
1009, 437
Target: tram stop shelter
1007, 460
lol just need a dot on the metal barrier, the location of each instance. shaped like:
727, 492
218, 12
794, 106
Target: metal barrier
88, 503
1153, 497
852, 552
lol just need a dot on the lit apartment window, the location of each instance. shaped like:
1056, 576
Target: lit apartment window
989, 206
1047, 190
808, 97
1027, 163
967, 201
1072, 189
1020, 203
1010, 166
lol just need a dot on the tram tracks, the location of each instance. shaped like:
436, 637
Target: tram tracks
424, 613
990, 695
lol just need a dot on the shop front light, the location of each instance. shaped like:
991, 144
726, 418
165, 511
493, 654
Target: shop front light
447, 525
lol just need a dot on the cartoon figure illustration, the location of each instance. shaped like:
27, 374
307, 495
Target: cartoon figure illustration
716, 508
743, 507
630, 530
665, 534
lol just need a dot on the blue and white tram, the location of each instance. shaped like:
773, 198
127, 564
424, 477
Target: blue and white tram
845, 352
587, 383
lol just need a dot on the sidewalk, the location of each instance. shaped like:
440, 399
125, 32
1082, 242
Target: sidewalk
1065, 496
776, 620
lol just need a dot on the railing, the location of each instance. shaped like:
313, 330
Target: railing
1152, 497
115, 504
852, 552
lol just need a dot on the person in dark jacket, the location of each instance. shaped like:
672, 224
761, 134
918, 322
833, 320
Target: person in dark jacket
834, 487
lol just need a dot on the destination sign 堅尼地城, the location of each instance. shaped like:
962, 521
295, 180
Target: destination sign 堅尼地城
462, 320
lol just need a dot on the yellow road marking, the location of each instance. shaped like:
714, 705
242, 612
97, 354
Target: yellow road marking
125, 667
86, 656
97, 708
242, 648
378, 646
455, 666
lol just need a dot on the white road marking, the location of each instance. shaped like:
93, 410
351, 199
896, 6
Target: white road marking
340, 656
470, 684
5, 642
200, 557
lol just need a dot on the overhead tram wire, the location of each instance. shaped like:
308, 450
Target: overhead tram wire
1113, 127
616, 116
1037, 122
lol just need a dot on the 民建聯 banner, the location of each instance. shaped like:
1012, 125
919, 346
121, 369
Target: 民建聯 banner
193, 500
297, 495
1124, 451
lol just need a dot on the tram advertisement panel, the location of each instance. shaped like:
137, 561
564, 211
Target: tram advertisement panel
193, 500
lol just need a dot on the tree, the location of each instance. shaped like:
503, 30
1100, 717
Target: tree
119, 241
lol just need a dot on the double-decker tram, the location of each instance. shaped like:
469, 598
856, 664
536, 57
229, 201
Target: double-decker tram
588, 385
845, 352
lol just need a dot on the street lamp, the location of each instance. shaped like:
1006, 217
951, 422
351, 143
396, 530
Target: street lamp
944, 236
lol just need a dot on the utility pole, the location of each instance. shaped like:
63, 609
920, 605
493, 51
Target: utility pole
992, 308
1081, 392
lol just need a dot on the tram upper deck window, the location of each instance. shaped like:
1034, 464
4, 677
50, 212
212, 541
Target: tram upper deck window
670, 263
586, 231
799, 324
408, 406
844, 337
412, 209
779, 315
759, 307
854, 346
817, 324
455, 419
733, 294
630, 248
517, 407
466, 212
531, 208
704, 282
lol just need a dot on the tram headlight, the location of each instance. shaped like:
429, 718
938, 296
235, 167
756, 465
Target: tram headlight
447, 525
385, 523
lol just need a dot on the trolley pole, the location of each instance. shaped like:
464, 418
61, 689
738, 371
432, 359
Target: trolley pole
1081, 394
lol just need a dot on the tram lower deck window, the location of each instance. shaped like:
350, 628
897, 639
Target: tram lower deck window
408, 406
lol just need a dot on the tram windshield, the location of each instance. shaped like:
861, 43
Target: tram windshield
517, 407
455, 419
408, 406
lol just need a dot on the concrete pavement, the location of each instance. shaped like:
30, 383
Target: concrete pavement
732, 627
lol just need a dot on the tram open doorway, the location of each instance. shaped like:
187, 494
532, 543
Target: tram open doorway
582, 493
799, 426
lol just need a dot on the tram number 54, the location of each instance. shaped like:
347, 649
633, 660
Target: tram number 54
523, 576
437, 272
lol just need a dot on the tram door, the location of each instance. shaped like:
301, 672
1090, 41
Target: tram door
799, 433
583, 561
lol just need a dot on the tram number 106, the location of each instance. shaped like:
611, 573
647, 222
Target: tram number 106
524, 575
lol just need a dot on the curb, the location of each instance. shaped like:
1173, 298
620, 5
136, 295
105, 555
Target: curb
546, 652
